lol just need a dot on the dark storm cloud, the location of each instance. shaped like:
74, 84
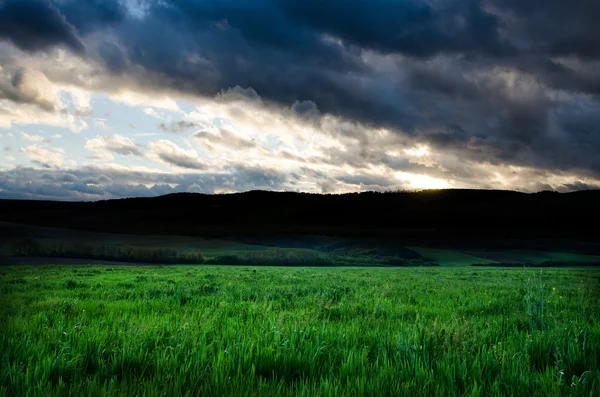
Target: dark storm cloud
88, 15
477, 78
36, 24
556, 27
277, 49
405, 26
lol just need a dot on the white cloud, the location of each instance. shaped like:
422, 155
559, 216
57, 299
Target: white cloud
32, 138
103, 156
168, 153
136, 99
12, 114
100, 124
152, 113
44, 157
113, 143
81, 99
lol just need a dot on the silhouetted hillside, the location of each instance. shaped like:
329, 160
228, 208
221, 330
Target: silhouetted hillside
428, 214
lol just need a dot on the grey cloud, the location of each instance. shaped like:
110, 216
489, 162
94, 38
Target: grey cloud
26, 86
92, 183
238, 93
477, 79
181, 161
305, 109
368, 180
36, 25
251, 178
41, 164
97, 180
115, 144
223, 137
168, 152
577, 186
179, 126
555, 27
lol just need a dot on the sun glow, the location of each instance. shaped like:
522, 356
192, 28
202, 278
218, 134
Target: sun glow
417, 181
417, 151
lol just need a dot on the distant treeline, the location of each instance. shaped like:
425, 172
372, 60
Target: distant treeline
274, 257
434, 215
299, 257
114, 253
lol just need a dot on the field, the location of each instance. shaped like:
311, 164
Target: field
237, 331
457, 257
293, 250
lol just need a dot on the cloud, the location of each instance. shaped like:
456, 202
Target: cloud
32, 138
37, 25
490, 87
114, 144
238, 93
110, 181
169, 153
27, 96
152, 113
101, 124
179, 126
223, 136
103, 156
27, 86
46, 158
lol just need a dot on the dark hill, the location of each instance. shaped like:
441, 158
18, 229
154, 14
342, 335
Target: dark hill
427, 214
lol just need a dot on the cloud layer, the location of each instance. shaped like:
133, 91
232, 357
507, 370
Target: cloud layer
335, 96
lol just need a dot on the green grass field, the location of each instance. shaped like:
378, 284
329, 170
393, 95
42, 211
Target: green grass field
455, 257
239, 331
446, 257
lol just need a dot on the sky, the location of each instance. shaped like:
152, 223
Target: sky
104, 99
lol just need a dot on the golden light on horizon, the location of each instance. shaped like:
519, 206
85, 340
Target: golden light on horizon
418, 181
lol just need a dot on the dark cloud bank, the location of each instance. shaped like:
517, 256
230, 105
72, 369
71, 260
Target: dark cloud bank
505, 82
92, 183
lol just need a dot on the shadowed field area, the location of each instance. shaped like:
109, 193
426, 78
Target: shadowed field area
50, 245
210, 330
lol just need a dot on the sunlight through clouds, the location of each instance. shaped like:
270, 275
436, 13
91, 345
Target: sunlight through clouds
316, 106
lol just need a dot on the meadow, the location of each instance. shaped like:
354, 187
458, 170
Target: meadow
298, 331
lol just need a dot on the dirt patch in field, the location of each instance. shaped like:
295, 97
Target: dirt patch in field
19, 260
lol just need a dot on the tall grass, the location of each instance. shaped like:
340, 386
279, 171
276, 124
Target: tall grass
301, 257
535, 301
30, 248
216, 331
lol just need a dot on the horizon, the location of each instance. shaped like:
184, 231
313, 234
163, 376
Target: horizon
415, 191
141, 98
